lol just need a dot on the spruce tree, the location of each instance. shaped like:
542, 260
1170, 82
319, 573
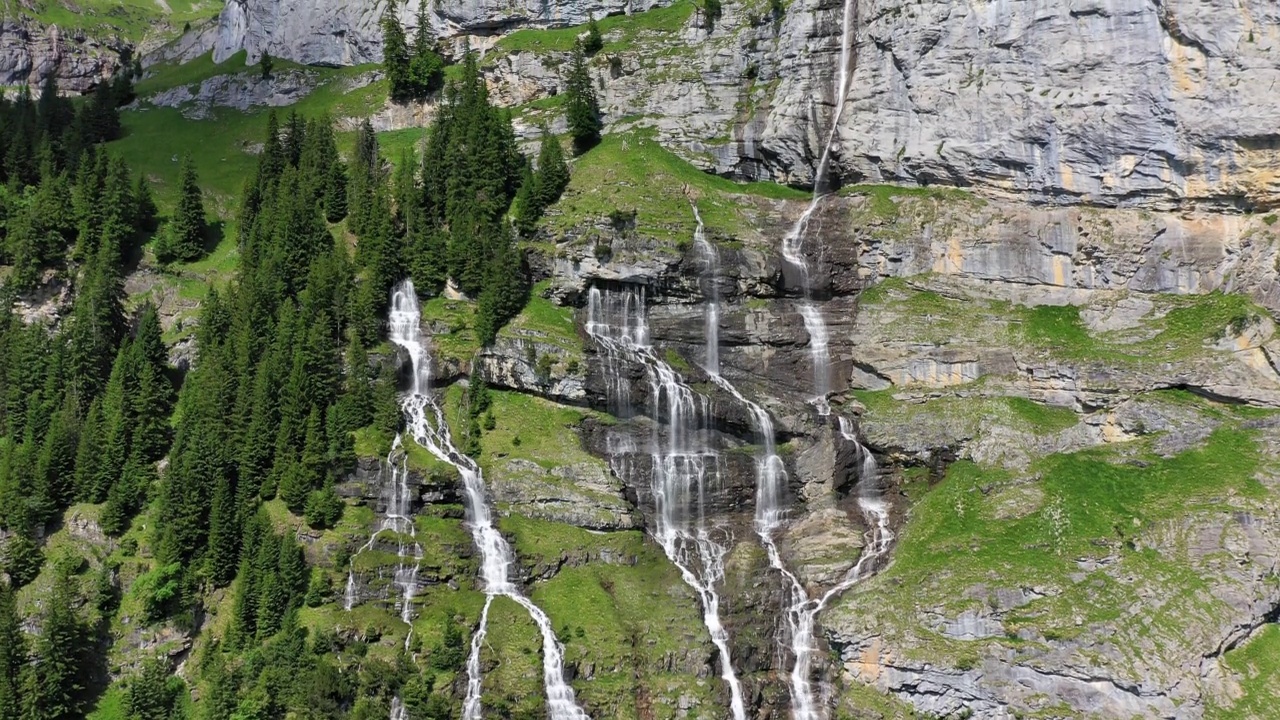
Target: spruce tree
224, 535
152, 693
183, 239
97, 323
427, 67
55, 469
88, 454
13, 654
582, 110
61, 652
144, 210
22, 554
116, 427
387, 415
395, 55
592, 43
526, 206
553, 173
152, 399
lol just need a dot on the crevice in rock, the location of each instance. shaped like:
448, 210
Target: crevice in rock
1169, 23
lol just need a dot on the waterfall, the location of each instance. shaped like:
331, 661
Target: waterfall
711, 306
427, 427
681, 460
398, 520
793, 242
771, 481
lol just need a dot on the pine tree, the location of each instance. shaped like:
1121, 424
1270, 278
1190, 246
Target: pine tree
395, 55
55, 469
61, 650
427, 67
224, 535
315, 452
505, 293
553, 173
89, 454
527, 208
144, 211
22, 555
266, 63
183, 239
355, 406
97, 323
324, 508
116, 427
127, 496
582, 110
592, 43
295, 484
387, 416
153, 692
13, 654
152, 399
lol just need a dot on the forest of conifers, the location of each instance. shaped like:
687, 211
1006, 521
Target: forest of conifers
92, 411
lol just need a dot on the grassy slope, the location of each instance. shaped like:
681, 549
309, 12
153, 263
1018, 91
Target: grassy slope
983, 527
1256, 665
1179, 328
633, 172
130, 19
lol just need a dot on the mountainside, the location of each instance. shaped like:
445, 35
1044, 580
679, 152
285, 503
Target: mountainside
1115, 103
876, 360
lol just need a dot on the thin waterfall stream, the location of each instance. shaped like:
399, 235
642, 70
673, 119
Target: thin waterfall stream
771, 481
793, 242
426, 426
682, 462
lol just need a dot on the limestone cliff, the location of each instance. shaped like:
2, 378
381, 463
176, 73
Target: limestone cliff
1122, 102
30, 52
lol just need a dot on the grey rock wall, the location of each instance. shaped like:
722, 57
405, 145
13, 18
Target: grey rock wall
1111, 101
30, 52
333, 32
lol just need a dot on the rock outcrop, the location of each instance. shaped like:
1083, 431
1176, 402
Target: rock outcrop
1126, 103
30, 52
327, 32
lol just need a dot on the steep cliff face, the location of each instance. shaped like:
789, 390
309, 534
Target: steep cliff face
1115, 103
327, 32
30, 52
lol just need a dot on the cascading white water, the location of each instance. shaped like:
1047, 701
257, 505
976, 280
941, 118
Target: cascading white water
711, 307
427, 427
793, 242
771, 481
681, 460
397, 519
802, 611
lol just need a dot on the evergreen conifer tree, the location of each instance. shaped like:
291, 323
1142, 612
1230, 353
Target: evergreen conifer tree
582, 110
152, 399
88, 453
224, 535
553, 173
13, 654
97, 323
526, 206
592, 43
183, 239
61, 649
427, 67
395, 55
144, 211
